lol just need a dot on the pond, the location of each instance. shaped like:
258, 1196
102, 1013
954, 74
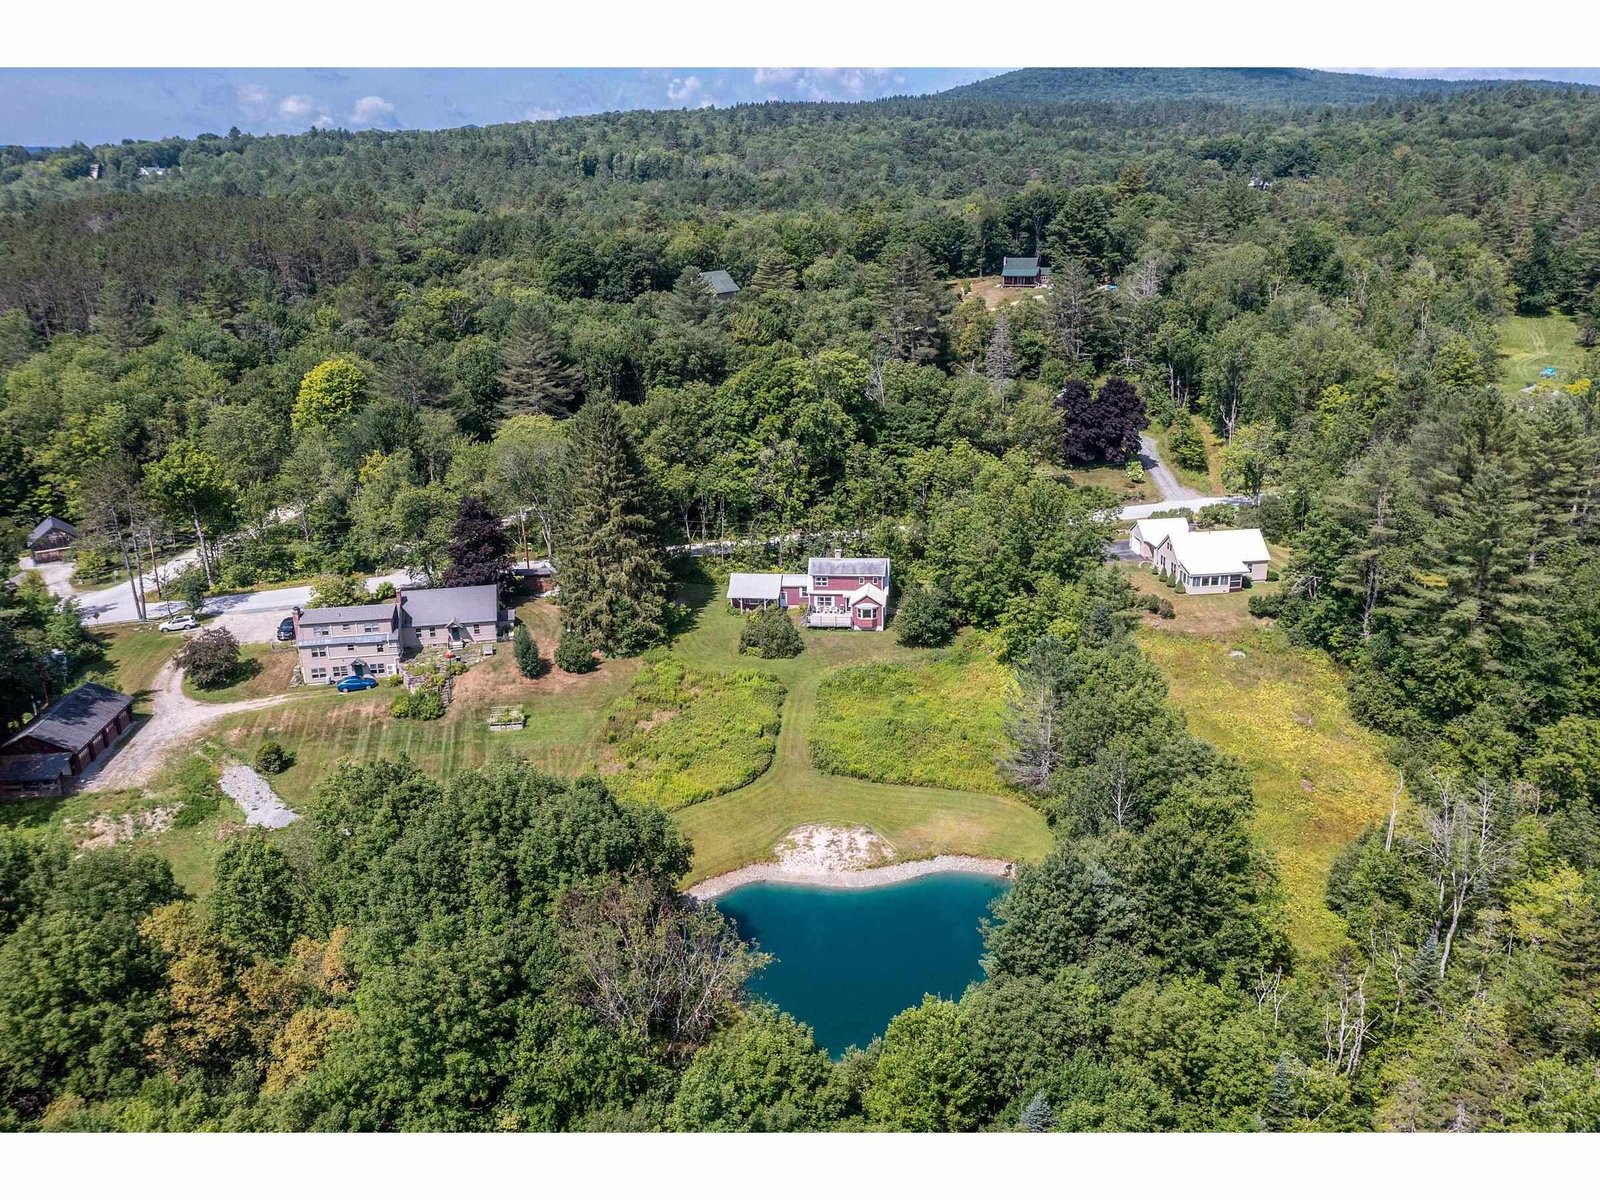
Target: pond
849, 959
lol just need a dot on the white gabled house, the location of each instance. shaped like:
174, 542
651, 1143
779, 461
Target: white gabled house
1211, 560
836, 593
1149, 532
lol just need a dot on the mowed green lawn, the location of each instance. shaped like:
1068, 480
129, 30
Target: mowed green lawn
265, 670
566, 734
1320, 778
743, 826
1529, 344
136, 655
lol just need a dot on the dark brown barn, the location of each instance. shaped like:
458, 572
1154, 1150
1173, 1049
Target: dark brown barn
79, 727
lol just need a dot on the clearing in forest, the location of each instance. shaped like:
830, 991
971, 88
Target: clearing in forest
673, 753
1530, 344
1320, 777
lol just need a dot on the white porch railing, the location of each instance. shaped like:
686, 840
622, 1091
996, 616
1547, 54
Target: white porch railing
828, 620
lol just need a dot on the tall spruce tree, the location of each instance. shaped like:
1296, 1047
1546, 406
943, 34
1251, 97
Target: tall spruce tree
613, 585
773, 274
535, 377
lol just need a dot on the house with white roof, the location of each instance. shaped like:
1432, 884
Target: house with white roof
1148, 533
835, 593
1211, 560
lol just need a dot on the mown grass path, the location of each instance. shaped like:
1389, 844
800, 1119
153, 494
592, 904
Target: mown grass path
564, 735
742, 826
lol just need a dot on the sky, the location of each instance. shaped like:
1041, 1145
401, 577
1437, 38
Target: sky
53, 107
58, 106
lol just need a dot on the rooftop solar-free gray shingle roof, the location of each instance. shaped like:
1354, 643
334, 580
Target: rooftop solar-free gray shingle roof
720, 282
51, 525
72, 721
348, 614
849, 566
34, 768
477, 605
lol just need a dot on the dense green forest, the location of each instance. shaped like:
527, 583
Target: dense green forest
305, 353
1239, 85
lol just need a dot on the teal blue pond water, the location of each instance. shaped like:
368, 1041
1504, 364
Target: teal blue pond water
850, 959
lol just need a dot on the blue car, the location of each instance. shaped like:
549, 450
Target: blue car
356, 683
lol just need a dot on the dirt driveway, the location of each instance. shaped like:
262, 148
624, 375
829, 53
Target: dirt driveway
175, 720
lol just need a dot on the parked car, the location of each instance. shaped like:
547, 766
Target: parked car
286, 630
356, 683
174, 624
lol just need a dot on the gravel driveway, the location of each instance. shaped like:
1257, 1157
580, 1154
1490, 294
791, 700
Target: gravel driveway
174, 720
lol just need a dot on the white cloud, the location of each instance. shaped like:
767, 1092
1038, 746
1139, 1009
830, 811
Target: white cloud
826, 83
372, 110
541, 114
253, 98
685, 91
296, 108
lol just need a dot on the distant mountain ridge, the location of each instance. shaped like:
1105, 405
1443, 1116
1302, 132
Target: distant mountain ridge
1239, 85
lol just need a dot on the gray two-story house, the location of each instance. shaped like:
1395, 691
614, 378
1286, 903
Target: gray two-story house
371, 639
353, 639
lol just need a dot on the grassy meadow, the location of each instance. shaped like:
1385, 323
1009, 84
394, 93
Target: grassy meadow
1529, 344
1320, 778
681, 735
935, 721
667, 737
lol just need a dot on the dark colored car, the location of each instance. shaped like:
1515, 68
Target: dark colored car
356, 683
286, 630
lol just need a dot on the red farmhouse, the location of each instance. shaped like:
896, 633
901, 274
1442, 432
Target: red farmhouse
835, 593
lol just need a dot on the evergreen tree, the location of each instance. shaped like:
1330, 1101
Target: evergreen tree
120, 317
1034, 719
526, 652
910, 300
1278, 1110
1556, 457
1073, 310
613, 585
480, 547
535, 377
1037, 1115
690, 301
773, 274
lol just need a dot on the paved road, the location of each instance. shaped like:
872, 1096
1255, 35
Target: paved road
115, 603
1167, 485
1174, 495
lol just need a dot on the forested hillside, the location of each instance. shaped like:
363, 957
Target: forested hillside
306, 353
1238, 85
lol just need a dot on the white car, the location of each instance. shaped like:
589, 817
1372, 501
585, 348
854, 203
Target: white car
174, 624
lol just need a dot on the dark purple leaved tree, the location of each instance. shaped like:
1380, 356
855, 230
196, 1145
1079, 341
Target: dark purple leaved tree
480, 547
1101, 426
